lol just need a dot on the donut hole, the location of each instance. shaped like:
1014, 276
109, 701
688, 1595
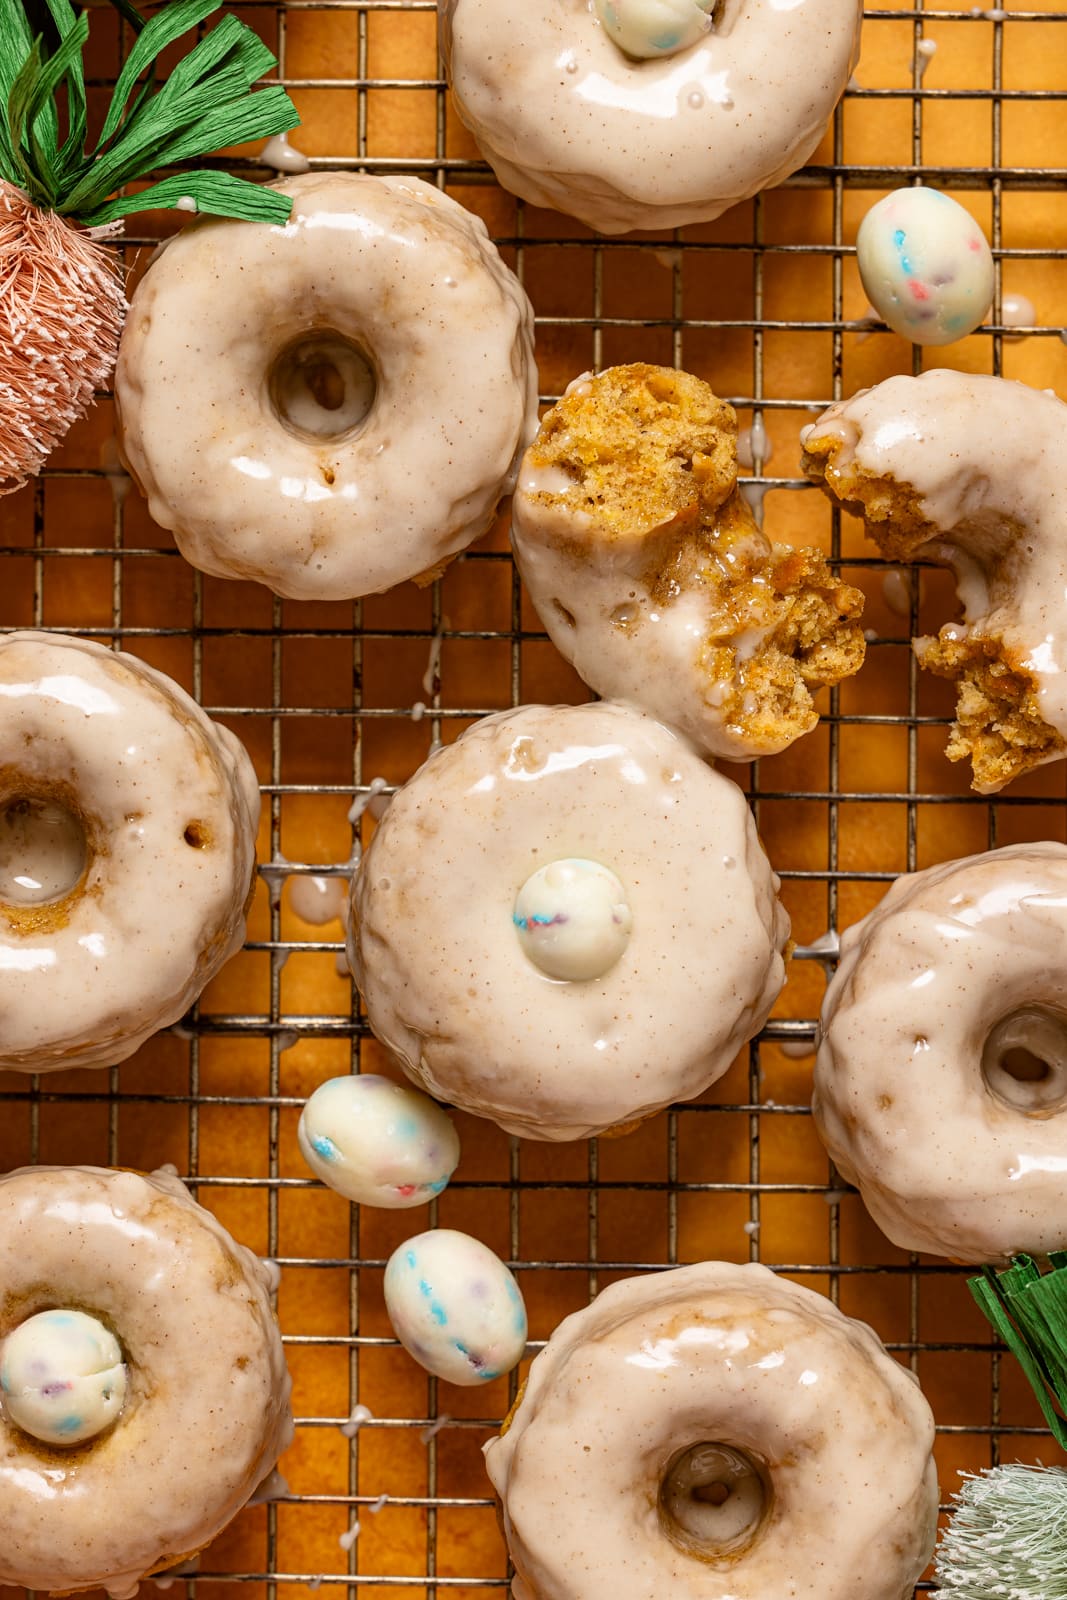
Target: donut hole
44, 850
322, 386
714, 1499
1024, 1060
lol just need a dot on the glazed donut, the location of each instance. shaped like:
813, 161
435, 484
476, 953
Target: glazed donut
565, 118
646, 566
718, 1433
965, 469
336, 405
941, 1074
127, 851
206, 1407
565, 921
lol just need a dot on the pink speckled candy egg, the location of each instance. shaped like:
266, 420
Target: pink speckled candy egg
377, 1142
926, 265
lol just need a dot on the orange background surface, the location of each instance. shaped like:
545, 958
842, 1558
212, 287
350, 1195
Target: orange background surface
764, 303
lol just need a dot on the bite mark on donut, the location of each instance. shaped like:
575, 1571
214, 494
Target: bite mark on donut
998, 724
650, 455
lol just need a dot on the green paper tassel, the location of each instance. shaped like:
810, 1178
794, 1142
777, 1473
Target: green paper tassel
1007, 1539
205, 103
1029, 1311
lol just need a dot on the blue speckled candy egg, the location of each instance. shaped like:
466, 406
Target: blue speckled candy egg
646, 29
926, 265
62, 1377
378, 1143
455, 1307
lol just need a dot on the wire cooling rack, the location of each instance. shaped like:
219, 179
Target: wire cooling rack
337, 701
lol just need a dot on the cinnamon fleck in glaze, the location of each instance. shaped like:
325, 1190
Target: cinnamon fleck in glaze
648, 570
567, 119
206, 1413
437, 953
969, 470
127, 851
673, 1388
941, 1077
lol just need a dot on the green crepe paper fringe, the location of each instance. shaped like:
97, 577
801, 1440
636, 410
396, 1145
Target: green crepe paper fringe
1029, 1311
1007, 1538
205, 103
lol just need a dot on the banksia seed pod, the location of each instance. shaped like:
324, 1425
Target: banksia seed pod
61, 293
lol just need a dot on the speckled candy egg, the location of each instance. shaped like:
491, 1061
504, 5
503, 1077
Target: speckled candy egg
377, 1143
926, 265
62, 1377
455, 1307
646, 29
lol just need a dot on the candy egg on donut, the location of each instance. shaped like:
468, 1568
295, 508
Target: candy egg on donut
143, 1390
966, 470
646, 566
127, 851
941, 1074
565, 921
716, 1433
646, 113
372, 362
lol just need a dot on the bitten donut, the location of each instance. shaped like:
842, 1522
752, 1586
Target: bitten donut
127, 851
143, 1389
646, 566
567, 117
941, 1074
335, 405
968, 470
565, 921
716, 1433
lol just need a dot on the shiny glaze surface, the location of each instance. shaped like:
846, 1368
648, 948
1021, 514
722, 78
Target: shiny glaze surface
196, 1436
405, 273
87, 978
378, 1143
943, 1161
984, 458
926, 265
434, 949
455, 1307
566, 119
722, 1354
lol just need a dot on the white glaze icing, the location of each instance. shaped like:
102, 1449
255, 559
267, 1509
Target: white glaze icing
377, 1142
447, 986
455, 1307
62, 1377
952, 1155
573, 919
410, 279
195, 1437
160, 804
716, 1354
926, 265
1017, 311
318, 899
984, 458
567, 120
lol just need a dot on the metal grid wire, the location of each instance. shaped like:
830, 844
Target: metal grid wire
738, 1174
